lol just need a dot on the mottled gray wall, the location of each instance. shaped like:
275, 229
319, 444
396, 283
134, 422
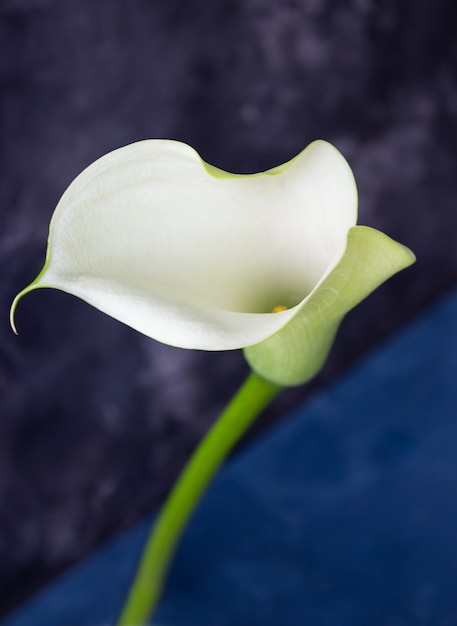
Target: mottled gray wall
95, 419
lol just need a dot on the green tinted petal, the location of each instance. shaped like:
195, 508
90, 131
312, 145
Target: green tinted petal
297, 352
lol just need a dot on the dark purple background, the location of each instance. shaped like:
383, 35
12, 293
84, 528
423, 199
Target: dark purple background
95, 419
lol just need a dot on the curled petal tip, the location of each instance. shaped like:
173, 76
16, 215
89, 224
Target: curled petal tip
31, 287
12, 311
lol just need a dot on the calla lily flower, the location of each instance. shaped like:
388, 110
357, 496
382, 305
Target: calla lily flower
196, 257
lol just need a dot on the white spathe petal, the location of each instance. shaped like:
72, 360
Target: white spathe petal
193, 256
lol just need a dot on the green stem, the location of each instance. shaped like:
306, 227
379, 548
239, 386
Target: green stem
254, 395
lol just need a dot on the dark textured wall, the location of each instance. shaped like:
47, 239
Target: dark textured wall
95, 419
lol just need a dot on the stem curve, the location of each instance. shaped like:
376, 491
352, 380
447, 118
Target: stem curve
253, 396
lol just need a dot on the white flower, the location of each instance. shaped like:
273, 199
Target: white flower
200, 258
